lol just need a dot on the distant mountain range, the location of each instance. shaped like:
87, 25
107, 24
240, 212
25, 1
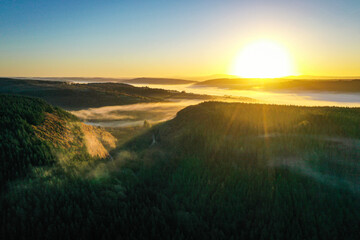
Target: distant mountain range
317, 85
142, 80
311, 77
74, 79
181, 80
291, 83
163, 81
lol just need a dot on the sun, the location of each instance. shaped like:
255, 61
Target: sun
262, 59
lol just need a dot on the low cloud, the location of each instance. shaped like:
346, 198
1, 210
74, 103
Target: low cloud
133, 114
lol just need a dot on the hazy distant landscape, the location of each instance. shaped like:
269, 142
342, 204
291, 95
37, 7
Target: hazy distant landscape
156, 100
307, 90
103, 103
332, 92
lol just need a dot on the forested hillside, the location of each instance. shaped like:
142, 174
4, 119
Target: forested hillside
34, 133
297, 85
216, 171
253, 171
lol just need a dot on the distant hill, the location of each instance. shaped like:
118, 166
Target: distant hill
163, 81
223, 82
311, 77
234, 82
344, 86
213, 76
325, 85
74, 96
75, 79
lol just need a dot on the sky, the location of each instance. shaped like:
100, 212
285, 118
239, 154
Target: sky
44, 38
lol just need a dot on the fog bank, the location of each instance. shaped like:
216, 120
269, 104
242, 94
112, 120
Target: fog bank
133, 114
303, 98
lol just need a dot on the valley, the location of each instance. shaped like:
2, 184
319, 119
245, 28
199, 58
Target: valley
216, 169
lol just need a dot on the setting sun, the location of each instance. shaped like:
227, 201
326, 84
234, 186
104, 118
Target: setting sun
262, 59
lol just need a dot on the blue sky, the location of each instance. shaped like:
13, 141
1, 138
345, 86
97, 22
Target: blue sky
172, 38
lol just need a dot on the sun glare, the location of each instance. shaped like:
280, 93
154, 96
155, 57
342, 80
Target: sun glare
262, 59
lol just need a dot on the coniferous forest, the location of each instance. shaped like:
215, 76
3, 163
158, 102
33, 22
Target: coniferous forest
215, 171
